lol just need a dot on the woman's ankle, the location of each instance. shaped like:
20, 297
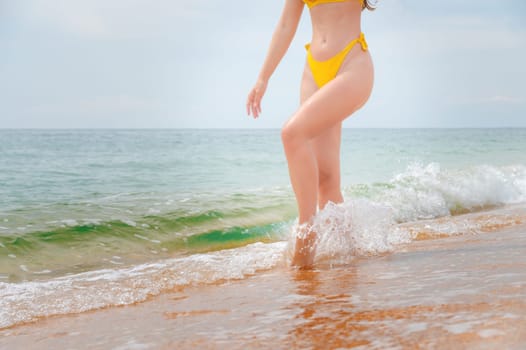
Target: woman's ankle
305, 247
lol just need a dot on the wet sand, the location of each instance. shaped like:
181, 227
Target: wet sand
459, 292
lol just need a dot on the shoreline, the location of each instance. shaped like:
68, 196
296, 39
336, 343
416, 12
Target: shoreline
461, 291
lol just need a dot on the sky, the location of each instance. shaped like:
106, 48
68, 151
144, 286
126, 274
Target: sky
191, 64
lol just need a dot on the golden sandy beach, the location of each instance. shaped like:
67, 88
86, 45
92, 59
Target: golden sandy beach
461, 292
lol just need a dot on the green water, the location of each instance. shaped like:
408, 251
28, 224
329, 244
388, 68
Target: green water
78, 200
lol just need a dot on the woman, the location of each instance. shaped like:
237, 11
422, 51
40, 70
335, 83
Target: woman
337, 81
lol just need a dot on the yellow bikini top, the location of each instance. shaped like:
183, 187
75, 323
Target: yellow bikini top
312, 3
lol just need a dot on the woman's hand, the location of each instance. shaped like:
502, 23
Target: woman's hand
254, 98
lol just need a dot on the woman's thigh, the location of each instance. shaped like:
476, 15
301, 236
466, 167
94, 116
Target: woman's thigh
323, 109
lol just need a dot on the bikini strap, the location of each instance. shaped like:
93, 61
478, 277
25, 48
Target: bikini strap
362, 42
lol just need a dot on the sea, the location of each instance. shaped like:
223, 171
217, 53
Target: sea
107, 217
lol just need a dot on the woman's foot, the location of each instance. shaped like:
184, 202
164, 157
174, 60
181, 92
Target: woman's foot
305, 249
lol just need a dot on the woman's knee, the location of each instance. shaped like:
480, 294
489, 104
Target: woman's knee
290, 133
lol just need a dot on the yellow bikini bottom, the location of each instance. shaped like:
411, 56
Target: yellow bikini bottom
325, 71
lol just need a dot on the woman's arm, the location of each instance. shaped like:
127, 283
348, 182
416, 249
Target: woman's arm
281, 39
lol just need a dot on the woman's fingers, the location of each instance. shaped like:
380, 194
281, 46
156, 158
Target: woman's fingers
250, 100
257, 102
254, 99
257, 106
252, 104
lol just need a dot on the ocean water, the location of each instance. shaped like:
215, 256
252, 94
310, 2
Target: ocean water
96, 218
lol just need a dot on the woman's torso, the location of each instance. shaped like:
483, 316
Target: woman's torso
334, 25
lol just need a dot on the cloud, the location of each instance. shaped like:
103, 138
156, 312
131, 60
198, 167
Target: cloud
439, 27
489, 100
115, 19
98, 105
74, 17
455, 33
505, 99
98, 62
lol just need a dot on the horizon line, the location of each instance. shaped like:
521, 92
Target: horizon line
262, 128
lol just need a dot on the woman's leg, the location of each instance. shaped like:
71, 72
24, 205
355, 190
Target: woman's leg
326, 147
324, 109
305, 240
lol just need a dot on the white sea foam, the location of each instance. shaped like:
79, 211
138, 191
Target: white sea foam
428, 191
129, 222
21, 302
408, 204
354, 227
69, 222
359, 226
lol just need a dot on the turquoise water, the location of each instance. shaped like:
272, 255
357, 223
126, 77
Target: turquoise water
70, 200
61, 166
118, 215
